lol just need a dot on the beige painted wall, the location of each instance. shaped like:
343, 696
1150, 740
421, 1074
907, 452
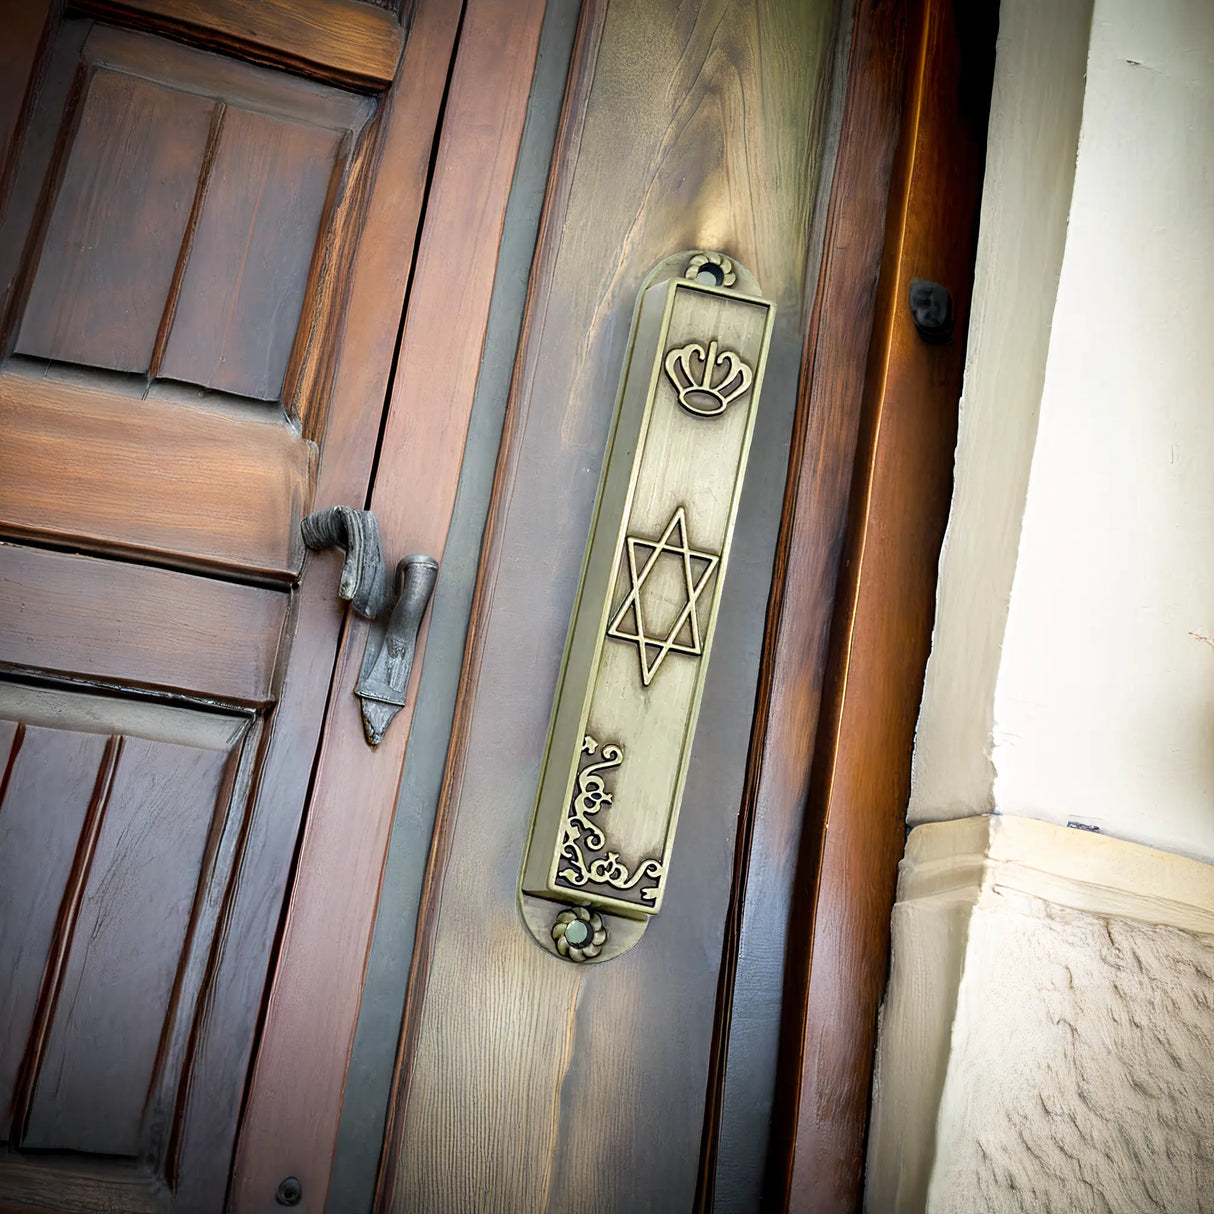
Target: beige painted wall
1047, 1037
1072, 675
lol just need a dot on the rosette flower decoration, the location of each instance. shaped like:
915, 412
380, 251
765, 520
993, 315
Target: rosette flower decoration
579, 934
714, 266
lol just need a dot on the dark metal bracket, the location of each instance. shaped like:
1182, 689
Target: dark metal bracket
395, 609
931, 308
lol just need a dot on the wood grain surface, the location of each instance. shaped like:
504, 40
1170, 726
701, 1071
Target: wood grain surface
137, 626
190, 207
345, 41
97, 1066
295, 1102
242, 288
150, 627
195, 486
120, 213
881, 632
52, 778
525, 1082
763, 932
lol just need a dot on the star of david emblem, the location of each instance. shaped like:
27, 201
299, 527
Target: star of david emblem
629, 622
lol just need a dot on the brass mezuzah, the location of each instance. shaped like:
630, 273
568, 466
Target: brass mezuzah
638, 647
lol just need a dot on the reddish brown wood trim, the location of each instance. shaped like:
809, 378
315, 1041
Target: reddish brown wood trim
881, 631
112, 472
27, 26
760, 927
294, 1104
345, 41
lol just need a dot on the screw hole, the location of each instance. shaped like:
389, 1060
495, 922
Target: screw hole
710, 275
289, 1192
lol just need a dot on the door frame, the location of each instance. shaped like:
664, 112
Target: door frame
850, 617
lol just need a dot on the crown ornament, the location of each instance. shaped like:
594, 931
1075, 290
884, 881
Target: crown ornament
722, 377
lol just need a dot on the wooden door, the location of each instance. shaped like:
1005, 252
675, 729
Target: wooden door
209, 219
176, 677
835, 151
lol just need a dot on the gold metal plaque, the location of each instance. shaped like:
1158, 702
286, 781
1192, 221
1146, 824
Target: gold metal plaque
641, 634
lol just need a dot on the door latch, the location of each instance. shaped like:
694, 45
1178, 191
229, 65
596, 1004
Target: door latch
395, 607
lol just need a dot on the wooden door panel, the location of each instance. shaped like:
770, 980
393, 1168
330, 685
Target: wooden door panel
157, 476
105, 620
103, 1037
243, 288
525, 1082
117, 225
184, 222
352, 42
183, 211
133, 808
185, 205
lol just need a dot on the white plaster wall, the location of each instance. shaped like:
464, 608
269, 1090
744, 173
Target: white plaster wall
1104, 704
1072, 672
1081, 1078
1036, 106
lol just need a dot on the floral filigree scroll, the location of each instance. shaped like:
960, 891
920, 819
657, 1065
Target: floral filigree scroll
585, 849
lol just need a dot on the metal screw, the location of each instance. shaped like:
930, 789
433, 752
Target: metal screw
289, 1192
932, 311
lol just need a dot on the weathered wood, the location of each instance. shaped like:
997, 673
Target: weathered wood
345, 41
499, 1037
295, 1102
883, 618
155, 628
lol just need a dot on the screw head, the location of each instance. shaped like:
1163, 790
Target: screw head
931, 308
289, 1191
578, 934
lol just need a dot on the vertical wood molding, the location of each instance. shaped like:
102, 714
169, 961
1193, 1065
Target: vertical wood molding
26, 25
577, 92
347, 41
294, 1106
881, 630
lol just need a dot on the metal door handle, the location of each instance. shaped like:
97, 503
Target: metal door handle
388, 660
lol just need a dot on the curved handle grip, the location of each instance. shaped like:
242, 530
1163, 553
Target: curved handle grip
356, 532
387, 664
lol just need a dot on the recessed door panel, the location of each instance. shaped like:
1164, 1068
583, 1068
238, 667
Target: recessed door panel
135, 806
